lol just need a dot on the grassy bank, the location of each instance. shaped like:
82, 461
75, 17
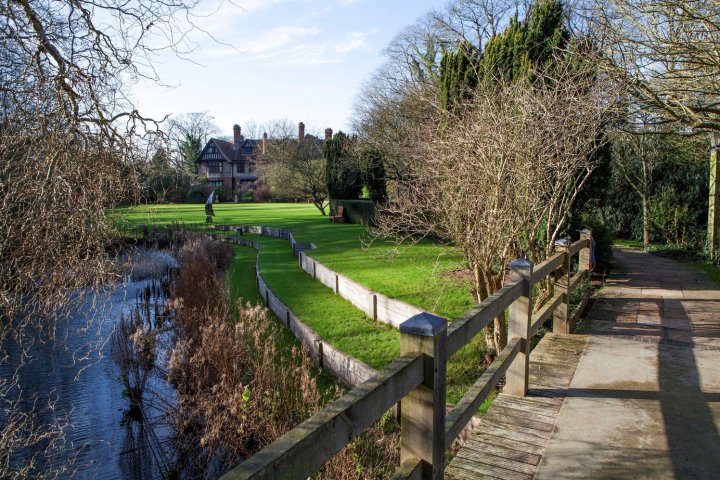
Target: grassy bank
420, 274
423, 274
343, 325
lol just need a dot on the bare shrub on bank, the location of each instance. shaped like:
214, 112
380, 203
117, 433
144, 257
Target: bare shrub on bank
68, 149
498, 179
240, 385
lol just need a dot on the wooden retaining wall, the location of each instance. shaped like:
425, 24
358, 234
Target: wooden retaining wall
375, 305
348, 369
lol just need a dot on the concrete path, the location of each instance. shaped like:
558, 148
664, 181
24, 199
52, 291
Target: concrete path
645, 398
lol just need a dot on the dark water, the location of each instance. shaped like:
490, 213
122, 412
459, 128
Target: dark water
77, 371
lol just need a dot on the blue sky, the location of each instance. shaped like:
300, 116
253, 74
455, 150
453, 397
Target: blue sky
303, 60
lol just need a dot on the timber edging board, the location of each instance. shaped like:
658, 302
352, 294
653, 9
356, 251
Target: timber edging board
375, 305
348, 369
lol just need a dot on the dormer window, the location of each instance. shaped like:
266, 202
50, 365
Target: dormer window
247, 150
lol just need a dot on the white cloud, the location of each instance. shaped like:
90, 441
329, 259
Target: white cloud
279, 37
327, 51
356, 40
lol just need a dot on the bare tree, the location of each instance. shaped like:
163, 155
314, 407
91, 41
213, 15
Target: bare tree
188, 133
635, 156
498, 179
294, 168
68, 150
667, 54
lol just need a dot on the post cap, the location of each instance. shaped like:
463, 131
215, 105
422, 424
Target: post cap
521, 264
585, 232
424, 324
563, 242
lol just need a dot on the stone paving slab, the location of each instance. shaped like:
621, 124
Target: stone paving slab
645, 399
638, 410
650, 296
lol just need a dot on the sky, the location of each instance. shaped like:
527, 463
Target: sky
301, 60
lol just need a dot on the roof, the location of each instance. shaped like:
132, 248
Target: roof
230, 150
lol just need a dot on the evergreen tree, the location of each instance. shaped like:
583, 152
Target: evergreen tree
189, 150
374, 175
510, 55
458, 76
524, 46
343, 177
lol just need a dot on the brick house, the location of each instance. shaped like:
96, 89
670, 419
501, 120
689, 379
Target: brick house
230, 164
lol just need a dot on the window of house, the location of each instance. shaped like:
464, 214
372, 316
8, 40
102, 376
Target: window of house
240, 167
251, 167
215, 167
216, 183
247, 150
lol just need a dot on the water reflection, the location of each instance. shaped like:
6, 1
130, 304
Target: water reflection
75, 370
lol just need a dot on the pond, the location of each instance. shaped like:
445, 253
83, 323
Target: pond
76, 371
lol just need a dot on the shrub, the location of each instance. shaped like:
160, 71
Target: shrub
361, 212
199, 193
261, 192
239, 389
678, 251
667, 217
603, 239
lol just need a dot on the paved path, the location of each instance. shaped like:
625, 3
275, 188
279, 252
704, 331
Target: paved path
657, 299
645, 398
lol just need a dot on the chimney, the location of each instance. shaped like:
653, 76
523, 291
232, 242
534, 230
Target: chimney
328, 134
237, 134
264, 143
301, 131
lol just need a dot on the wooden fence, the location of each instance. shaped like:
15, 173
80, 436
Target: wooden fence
418, 378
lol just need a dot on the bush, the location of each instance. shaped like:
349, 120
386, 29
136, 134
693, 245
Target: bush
677, 251
199, 193
603, 238
261, 193
670, 220
361, 212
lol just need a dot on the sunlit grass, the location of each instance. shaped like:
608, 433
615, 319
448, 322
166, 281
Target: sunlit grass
423, 274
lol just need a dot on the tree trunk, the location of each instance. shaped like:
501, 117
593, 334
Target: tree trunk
646, 218
601, 214
713, 210
319, 205
481, 293
500, 330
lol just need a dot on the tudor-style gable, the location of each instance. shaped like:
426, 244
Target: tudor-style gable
229, 164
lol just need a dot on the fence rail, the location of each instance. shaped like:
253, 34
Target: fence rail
418, 378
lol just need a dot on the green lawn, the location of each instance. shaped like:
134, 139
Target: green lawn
241, 276
712, 270
416, 274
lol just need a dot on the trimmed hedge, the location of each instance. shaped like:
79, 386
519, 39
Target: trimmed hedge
356, 211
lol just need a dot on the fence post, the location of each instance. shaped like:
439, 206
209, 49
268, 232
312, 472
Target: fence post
586, 260
519, 326
423, 410
561, 316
